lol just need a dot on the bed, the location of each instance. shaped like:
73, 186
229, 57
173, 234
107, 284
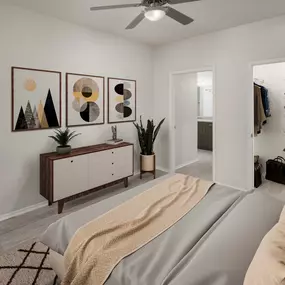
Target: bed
199, 249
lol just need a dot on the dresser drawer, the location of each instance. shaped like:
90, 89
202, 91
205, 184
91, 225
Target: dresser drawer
110, 165
70, 176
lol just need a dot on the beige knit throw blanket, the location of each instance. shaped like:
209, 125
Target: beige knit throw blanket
100, 245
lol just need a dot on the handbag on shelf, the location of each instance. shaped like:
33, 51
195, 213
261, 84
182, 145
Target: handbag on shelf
275, 170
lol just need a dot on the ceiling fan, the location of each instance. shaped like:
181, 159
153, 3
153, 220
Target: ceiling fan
154, 10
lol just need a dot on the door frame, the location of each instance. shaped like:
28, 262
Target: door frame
172, 164
251, 67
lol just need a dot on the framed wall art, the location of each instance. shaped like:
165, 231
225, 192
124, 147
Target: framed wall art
84, 100
36, 99
121, 100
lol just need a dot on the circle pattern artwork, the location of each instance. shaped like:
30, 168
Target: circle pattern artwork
89, 112
124, 94
30, 84
87, 89
86, 93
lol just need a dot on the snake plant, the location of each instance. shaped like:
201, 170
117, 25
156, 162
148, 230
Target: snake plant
147, 136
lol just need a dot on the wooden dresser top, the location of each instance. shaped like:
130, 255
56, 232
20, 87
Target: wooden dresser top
84, 150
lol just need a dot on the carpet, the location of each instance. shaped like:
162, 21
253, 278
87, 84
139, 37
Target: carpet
27, 265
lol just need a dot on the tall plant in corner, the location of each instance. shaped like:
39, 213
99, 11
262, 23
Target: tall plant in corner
147, 137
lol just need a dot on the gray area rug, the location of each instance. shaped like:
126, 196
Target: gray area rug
27, 265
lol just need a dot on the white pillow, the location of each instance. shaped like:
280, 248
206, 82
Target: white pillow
268, 264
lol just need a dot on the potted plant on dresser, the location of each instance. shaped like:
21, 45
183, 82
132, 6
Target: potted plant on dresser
147, 138
63, 138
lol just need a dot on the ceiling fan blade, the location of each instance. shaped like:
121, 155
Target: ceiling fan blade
179, 17
136, 21
173, 2
114, 7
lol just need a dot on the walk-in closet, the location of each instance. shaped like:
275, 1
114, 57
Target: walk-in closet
269, 123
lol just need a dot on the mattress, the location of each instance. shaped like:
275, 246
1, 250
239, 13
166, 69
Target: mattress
155, 262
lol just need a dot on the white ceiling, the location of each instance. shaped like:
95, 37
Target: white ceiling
209, 15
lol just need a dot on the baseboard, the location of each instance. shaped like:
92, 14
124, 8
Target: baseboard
22, 211
230, 186
162, 169
186, 164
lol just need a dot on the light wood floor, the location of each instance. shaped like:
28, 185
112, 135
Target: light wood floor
31, 225
203, 168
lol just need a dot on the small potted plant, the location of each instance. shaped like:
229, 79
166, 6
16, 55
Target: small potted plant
63, 138
147, 138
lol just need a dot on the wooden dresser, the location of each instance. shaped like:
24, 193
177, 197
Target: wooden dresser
85, 169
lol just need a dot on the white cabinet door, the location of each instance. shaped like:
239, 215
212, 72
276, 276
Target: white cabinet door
123, 162
100, 168
70, 176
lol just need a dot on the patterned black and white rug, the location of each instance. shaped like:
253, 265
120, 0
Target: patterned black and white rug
27, 265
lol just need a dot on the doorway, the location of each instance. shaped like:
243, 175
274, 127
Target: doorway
192, 132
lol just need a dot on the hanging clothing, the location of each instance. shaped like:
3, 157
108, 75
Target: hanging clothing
265, 100
259, 114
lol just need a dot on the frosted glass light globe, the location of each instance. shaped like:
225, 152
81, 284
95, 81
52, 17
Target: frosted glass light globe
154, 14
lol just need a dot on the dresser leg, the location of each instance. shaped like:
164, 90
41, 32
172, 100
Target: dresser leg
60, 206
126, 182
49, 203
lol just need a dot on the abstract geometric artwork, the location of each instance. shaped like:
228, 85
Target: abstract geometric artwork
84, 100
121, 100
36, 99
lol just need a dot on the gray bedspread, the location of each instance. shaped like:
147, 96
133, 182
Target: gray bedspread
212, 245
161, 258
193, 226
224, 254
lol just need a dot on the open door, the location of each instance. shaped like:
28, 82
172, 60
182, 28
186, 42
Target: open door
186, 112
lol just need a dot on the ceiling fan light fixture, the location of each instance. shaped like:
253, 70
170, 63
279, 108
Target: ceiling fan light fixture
155, 14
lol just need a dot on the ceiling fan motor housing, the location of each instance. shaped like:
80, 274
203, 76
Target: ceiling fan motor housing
153, 3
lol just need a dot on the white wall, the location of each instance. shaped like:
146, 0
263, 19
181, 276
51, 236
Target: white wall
185, 93
271, 142
230, 52
33, 40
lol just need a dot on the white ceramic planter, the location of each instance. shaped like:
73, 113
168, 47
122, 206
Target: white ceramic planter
63, 149
147, 162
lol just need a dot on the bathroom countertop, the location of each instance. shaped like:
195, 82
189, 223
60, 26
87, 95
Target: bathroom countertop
207, 120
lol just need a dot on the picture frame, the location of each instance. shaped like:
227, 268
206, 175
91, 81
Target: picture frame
122, 100
36, 99
85, 100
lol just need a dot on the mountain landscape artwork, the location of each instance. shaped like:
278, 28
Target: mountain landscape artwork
36, 97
